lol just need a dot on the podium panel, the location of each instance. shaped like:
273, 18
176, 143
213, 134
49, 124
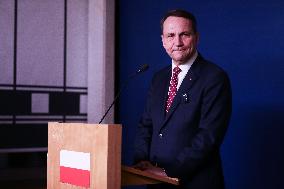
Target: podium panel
84, 155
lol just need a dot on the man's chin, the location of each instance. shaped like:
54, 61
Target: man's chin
179, 56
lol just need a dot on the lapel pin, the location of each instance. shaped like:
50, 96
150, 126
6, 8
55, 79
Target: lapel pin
184, 97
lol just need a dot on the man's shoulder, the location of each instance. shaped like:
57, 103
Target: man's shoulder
206, 67
163, 71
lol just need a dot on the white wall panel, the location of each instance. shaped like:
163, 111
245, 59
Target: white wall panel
83, 104
101, 45
40, 42
77, 43
6, 41
40, 103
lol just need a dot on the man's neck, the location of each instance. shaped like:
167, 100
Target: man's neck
190, 60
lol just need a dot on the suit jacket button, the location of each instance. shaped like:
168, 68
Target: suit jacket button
161, 135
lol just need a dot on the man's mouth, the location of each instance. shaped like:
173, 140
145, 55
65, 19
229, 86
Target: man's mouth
178, 50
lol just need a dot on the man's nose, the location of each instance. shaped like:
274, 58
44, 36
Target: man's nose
178, 41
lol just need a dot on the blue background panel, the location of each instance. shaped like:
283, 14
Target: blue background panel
246, 39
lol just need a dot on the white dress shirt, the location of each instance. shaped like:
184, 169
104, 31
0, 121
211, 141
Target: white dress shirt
184, 68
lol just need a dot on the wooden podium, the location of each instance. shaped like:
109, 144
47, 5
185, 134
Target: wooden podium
132, 176
89, 156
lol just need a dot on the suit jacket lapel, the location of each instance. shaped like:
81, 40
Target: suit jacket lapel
185, 86
164, 94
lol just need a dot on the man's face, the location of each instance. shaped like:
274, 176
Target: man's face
179, 39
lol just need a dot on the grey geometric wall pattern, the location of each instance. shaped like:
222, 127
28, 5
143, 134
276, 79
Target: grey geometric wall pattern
43, 68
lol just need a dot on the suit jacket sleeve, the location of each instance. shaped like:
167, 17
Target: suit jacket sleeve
215, 115
144, 133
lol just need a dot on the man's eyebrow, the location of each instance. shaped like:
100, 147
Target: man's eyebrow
169, 33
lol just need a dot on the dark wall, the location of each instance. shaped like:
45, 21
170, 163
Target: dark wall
246, 39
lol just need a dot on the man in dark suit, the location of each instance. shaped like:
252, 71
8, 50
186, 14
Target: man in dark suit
187, 112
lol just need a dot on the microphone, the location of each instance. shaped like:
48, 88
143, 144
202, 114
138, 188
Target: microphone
142, 69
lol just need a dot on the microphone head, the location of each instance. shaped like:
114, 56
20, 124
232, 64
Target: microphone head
143, 68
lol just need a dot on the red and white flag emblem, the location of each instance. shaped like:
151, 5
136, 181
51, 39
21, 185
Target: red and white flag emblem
75, 168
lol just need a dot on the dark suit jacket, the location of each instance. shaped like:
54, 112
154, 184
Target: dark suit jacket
186, 140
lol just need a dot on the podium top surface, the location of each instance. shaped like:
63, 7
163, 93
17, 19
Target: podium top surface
146, 174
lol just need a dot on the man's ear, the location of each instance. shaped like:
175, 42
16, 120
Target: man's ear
162, 38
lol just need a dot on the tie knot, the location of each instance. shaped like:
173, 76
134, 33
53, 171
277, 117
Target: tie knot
177, 70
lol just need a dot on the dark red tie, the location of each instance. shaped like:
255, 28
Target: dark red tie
173, 87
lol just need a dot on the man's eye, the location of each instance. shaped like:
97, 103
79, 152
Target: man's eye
185, 34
